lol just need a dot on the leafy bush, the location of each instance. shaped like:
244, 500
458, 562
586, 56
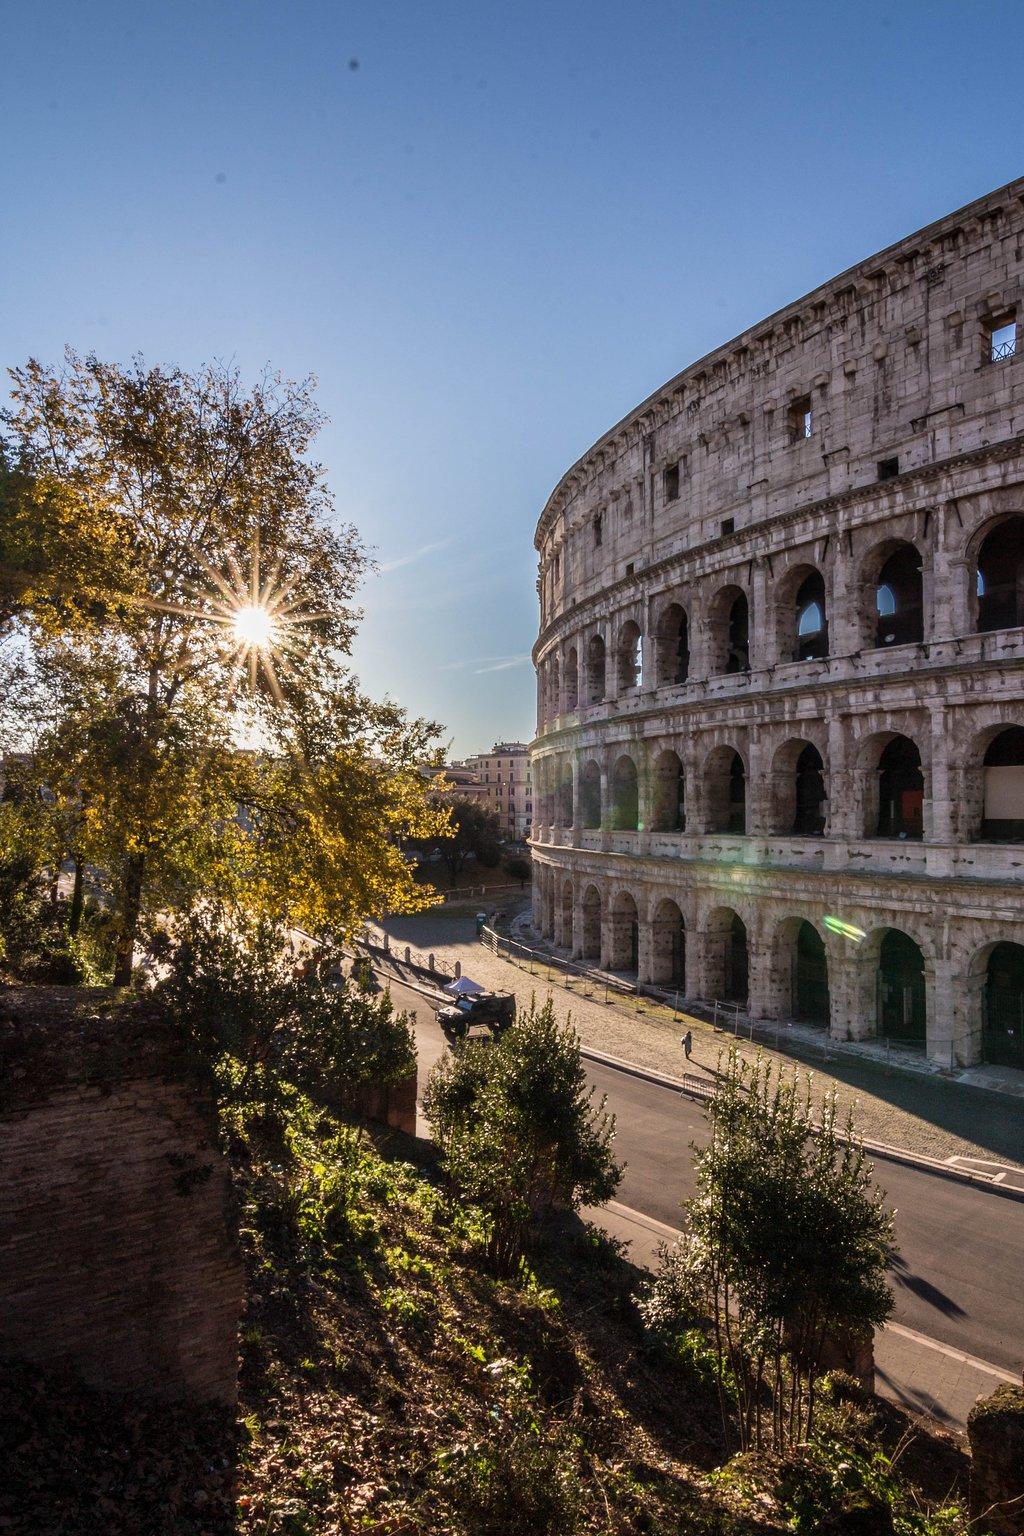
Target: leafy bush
788, 1246
519, 1129
232, 982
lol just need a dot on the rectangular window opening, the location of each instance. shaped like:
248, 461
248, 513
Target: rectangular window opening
888, 469
629, 568
728, 525
598, 531
801, 420
672, 482
1001, 336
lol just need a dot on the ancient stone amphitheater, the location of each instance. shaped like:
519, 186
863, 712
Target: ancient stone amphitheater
780, 739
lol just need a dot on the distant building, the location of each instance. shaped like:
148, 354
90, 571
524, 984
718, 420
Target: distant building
504, 773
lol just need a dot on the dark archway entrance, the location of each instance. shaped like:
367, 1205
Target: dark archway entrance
810, 977
1001, 577
809, 820
900, 790
899, 599
1002, 1036
736, 962
901, 1008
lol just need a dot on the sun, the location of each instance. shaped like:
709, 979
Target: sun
254, 626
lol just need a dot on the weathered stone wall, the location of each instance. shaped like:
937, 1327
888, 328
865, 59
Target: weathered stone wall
711, 491
117, 1255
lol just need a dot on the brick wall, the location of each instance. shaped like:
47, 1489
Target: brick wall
117, 1255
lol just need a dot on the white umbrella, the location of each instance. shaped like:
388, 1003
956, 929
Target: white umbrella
462, 987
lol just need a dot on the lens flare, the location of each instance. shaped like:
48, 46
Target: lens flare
844, 930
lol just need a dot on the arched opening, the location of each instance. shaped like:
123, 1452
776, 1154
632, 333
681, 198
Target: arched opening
725, 785
811, 623
592, 923
630, 655
673, 646
572, 679
590, 795
729, 632
554, 688
810, 977
595, 670
1002, 1036
900, 790
564, 807
726, 957
899, 601
625, 934
668, 785
668, 946
901, 1009
625, 796
738, 658
1000, 577
1003, 773
809, 796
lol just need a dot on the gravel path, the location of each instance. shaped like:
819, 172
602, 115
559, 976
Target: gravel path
916, 1110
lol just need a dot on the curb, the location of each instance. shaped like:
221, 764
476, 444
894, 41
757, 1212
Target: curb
695, 1089
919, 1160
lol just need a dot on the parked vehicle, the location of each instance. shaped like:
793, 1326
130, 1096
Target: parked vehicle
488, 1012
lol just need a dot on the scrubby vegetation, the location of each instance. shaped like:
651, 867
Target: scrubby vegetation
399, 1373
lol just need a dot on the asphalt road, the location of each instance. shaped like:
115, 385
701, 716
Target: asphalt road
960, 1276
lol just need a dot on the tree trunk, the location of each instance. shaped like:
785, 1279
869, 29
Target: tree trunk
131, 903
77, 899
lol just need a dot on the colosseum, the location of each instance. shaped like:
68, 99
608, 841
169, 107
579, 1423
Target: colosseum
780, 741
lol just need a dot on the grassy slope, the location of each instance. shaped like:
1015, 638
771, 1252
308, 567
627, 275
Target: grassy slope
391, 1385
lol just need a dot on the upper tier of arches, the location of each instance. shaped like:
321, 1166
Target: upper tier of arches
882, 595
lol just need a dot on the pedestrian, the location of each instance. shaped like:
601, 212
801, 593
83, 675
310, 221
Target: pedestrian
687, 1043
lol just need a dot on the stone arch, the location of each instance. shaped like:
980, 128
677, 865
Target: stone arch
590, 795
997, 794
571, 677
563, 793
596, 669
798, 794
668, 945
999, 967
997, 596
624, 934
668, 812
726, 957
629, 654
896, 964
729, 631
892, 595
799, 983
592, 911
554, 688
891, 782
672, 646
801, 615
725, 790
625, 787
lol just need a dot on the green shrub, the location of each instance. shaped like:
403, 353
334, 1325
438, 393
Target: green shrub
520, 1131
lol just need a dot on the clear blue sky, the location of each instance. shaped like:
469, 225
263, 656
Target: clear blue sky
489, 240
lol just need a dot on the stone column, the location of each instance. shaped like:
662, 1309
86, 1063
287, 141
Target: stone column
939, 1012
645, 945
759, 961
844, 624
761, 642
938, 802
968, 1017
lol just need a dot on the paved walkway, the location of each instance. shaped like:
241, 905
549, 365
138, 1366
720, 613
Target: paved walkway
918, 1111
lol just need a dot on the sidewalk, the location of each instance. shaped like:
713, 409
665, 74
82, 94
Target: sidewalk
922, 1112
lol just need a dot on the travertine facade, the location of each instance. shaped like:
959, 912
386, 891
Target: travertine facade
781, 661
